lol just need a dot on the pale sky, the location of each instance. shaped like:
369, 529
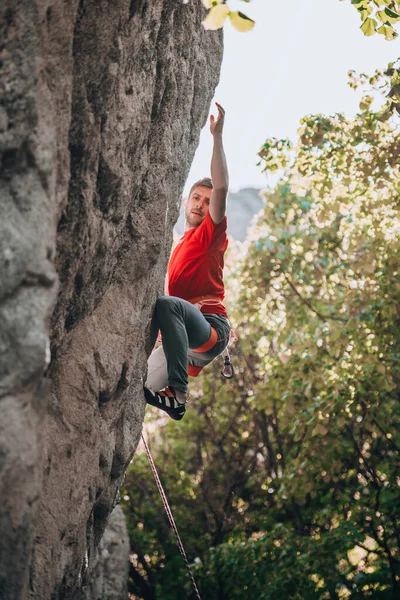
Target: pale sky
293, 63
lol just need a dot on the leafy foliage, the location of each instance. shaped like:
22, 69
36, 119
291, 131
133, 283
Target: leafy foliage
377, 16
219, 11
285, 482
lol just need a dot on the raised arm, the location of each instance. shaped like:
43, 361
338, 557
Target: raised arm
219, 169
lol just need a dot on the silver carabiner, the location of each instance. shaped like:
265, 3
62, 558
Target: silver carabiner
227, 371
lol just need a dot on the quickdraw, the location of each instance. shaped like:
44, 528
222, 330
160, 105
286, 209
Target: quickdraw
227, 369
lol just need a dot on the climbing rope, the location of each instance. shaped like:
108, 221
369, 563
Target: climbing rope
170, 517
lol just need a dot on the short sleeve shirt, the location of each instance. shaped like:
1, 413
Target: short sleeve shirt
196, 265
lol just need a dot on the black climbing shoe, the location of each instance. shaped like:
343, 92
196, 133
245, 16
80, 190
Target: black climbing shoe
166, 400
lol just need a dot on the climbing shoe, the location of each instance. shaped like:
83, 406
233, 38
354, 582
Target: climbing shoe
166, 400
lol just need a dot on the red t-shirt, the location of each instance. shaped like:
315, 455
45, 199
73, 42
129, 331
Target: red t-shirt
196, 265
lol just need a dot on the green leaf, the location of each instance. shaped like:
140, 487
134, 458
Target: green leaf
388, 32
364, 11
366, 102
392, 15
368, 27
241, 22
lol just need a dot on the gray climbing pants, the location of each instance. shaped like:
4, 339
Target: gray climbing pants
183, 329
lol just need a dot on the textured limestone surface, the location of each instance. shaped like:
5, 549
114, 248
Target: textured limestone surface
102, 102
109, 573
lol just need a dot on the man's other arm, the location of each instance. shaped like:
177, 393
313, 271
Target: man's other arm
219, 169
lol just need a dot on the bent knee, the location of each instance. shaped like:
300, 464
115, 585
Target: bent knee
164, 304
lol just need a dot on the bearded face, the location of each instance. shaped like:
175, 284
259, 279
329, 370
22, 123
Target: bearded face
197, 206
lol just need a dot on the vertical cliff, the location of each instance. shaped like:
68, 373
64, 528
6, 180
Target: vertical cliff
102, 103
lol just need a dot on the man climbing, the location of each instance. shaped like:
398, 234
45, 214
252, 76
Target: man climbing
192, 319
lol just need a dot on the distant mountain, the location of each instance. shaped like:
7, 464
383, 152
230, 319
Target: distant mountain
242, 206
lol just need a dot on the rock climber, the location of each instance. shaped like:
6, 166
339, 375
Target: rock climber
192, 320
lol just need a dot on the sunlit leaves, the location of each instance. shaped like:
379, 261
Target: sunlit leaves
219, 11
378, 16
216, 17
366, 102
354, 147
320, 281
241, 22
368, 26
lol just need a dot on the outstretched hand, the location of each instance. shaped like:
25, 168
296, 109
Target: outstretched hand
216, 126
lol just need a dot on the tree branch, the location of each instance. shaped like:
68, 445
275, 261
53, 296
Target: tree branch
323, 318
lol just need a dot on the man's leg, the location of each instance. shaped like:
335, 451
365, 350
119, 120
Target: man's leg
182, 327
222, 326
157, 373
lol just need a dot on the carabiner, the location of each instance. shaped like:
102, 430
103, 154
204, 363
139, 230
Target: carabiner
228, 366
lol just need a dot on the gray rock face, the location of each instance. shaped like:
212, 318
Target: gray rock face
242, 207
110, 568
100, 114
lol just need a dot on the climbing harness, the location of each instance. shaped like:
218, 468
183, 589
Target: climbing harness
201, 301
227, 369
170, 517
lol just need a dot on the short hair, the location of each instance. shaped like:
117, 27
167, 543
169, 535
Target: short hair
205, 182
